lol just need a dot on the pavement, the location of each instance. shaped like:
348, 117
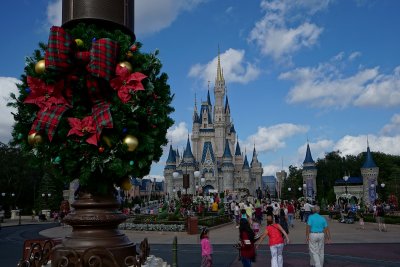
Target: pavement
351, 246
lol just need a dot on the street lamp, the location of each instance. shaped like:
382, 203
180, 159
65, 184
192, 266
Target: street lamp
196, 176
382, 186
202, 183
345, 178
289, 189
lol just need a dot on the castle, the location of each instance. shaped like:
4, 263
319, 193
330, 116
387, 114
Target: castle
212, 165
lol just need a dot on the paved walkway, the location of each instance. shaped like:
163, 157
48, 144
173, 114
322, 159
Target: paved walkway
350, 246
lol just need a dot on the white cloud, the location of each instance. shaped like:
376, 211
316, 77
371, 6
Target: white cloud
273, 35
273, 137
354, 55
7, 85
151, 16
270, 170
154, 15
235, 68
384, 90
54, 13
354, 145
393, 127
329, 85
178, 134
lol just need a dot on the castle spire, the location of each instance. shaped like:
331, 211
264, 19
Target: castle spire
220, 76
308, 158
237, 151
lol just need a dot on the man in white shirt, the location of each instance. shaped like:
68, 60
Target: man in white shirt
307, 210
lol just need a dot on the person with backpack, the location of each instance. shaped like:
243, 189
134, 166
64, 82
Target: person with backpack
276, 235
379, 215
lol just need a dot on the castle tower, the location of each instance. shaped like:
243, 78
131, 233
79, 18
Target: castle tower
246, 180
196, 131
227, 168
187, 166
309, 174
169, 169
369, 173
219, 113
256, 171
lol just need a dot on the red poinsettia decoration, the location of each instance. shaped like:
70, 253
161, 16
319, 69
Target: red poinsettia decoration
45, 95
86, 126
126, 83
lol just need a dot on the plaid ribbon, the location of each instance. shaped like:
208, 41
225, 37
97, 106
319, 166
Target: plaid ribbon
100, 109
47, 120
103, 58
58, 55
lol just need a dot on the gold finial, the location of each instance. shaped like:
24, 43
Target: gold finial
220, 76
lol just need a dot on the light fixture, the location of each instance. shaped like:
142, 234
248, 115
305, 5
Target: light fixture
175, 174
197, 174
299, 188
289, 189
383, 185
202, 180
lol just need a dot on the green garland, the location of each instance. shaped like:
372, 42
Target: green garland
146, 117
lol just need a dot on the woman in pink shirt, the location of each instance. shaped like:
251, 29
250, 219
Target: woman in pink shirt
274, 232
206, 249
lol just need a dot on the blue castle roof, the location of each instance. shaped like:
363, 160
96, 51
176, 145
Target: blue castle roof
227, 151
207, 147
188, 151
350, 181
369, 161
308, 158
171, 156
246, 163
237, 151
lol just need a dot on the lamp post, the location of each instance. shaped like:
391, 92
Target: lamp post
345, 178
299, 190
382, 188
202, 183
196, 177
290, 190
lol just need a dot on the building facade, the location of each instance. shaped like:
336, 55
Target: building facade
216, 152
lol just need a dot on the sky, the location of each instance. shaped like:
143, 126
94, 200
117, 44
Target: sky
326, 72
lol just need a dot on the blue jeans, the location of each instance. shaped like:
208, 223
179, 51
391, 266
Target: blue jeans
246, 262
290, 219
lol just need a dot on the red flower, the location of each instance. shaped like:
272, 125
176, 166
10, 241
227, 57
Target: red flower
86, 126
126, 83
45, 95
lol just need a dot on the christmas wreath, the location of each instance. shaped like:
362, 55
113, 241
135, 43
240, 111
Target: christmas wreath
93, 106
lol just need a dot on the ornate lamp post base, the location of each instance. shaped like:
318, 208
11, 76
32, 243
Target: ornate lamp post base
95, 239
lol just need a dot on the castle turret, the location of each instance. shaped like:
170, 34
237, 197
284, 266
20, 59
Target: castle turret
309, 174
369, 173
227, 168
256, 171
170, 167
219, 114
196, 130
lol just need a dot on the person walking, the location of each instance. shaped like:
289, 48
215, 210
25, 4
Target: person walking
317, 233
379, 215
290, 213
206, 249
276, 241
247, 248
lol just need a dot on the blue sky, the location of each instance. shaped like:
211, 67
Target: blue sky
323, 70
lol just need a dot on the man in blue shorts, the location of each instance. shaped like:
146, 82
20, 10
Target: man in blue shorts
317, 233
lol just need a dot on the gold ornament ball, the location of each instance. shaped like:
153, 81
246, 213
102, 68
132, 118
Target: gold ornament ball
35, 139
79, 42
126, 184
132, 142
40, 66
126, 64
